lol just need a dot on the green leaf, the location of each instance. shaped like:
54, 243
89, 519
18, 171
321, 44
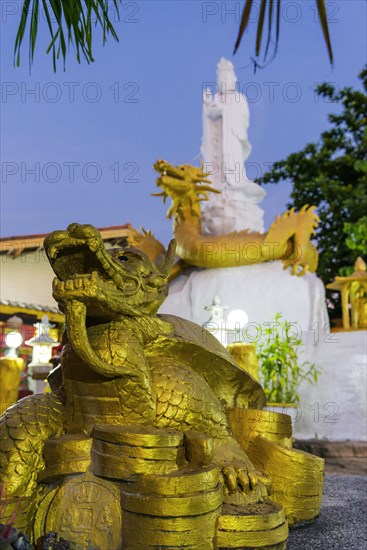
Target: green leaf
69, 25
325, 28
260, 27
243, 24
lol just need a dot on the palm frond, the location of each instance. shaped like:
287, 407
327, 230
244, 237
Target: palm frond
70, 23
244, 22
325, 28
269, 8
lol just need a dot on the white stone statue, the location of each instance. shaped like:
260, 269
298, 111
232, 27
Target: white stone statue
225, 147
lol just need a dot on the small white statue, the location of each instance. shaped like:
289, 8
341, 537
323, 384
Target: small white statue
225, 147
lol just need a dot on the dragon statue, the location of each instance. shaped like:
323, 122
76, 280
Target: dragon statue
153, 436
288, 238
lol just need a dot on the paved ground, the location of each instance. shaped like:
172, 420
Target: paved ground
342, 524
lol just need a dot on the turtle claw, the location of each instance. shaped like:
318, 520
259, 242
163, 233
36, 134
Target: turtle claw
238, 473
230, 478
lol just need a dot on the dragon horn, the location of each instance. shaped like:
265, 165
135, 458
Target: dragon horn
165, 263
205, 188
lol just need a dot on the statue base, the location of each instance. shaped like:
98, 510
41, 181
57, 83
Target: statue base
261, 290
137, 487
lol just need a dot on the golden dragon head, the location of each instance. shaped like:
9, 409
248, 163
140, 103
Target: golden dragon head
94, 286
118, 281
184, 185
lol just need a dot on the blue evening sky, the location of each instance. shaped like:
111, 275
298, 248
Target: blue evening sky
82, 145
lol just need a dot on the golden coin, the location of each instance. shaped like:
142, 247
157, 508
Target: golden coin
86, 511
251, 517
123, 468
41, 513
58, 471
180, 482
130, 451
139, 436
252, 539
179, 505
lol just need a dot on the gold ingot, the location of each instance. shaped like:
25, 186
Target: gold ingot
179, 482
252, 526
247, 424
139, 436
86, 511
174, 506
66, 455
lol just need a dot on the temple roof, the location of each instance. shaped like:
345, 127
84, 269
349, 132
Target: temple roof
16, 245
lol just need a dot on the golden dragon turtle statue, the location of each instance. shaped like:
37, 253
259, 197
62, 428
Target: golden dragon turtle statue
153, 436
288, 238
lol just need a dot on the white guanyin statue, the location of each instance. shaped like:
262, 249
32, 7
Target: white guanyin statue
225, 147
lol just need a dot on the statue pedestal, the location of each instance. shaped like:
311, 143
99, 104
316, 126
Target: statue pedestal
335, 409
261, 290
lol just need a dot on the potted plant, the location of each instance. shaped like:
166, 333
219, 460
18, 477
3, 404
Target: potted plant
280, 369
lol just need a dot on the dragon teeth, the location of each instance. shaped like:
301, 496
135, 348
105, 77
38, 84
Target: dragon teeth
73, 284
78, 283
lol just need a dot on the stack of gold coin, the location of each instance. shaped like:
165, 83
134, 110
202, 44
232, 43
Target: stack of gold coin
297, 478
247, 424
65, 455
121, 452
173, 511
261, 525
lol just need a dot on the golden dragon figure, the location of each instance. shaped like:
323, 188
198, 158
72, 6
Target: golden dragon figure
288, 238
143, 401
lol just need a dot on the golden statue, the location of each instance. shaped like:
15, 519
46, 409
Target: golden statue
353, 289
10, 377
288, 238
153, 436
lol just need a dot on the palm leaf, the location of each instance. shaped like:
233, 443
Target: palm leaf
244, 22
21, 30
260, 27
270, 26
69, 23
325, 28
267, 8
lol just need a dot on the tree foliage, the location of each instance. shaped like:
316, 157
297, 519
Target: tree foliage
69, 23
332, 174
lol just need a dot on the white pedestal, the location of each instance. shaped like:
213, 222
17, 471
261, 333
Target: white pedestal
335, 409
261, 290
